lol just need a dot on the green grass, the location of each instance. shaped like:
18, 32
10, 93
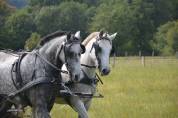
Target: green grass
134, 91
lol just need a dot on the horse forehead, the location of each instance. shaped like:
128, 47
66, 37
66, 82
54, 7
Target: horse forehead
105, 44
75, 47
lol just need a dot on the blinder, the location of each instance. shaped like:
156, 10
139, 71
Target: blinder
95, 45
97, 49
83, 49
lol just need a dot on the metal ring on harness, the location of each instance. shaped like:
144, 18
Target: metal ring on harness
88, 66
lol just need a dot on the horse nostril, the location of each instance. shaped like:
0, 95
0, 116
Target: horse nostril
105, 71
76, 78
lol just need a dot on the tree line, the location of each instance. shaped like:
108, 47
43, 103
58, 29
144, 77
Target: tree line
142, 25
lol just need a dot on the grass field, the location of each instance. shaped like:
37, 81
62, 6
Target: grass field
134, 91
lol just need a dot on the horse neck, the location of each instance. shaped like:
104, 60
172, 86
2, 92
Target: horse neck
49, 50
88, 58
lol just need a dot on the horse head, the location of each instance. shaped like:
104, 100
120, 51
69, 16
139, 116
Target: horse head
72, 52
103, 47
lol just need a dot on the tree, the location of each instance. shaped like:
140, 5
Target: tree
134, 21
118, 17
5, 11
18, 3
47, 21
166, 39
90, 2
68, 16
73, 16
19, 26
32, 42
44, 2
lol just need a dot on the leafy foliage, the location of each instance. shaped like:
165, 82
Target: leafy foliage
57, 2
18, 3
166, 39
136, 22
32, 42
19, 25
69, 16
5, 10
44, 2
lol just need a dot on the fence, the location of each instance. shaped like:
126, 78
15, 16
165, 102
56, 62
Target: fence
143, 60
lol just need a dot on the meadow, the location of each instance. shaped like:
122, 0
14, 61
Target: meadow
133, 90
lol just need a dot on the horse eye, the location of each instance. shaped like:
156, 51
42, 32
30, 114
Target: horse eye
71, 54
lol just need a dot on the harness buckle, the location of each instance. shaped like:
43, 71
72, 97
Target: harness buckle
95, 81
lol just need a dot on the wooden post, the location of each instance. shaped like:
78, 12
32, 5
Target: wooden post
152, 58
114, 60
140, 53
176, 54
143, 60
126, 54
153, 53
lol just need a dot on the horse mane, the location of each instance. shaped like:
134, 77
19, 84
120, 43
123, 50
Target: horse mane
88, 39
51, 36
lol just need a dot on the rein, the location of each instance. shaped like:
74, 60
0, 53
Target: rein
88, 66
99, 78
52, 65
35, 82
10, 52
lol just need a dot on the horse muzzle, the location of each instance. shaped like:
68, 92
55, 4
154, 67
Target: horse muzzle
75, 77
105, 71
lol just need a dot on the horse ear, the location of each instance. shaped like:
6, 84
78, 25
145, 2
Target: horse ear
68, 36
83, 48
101, 33
111, 37
105, 34
77, 34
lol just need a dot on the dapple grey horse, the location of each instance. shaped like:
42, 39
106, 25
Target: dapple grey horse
98, 48
41, 64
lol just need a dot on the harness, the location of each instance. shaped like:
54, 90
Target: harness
16, 70
97, 78
89, 81
18, 81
